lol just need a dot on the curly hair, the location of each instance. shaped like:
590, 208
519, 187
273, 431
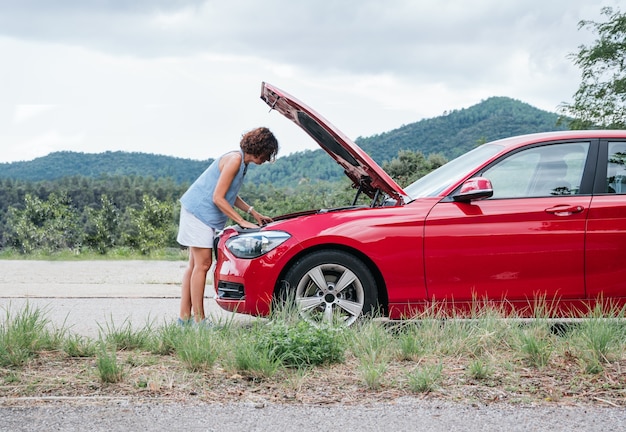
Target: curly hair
260, 142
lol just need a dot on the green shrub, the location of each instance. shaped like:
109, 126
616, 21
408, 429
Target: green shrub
301, 344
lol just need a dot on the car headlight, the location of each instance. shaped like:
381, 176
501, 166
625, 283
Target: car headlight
253, 245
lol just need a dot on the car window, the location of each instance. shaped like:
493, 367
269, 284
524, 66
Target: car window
549, 170
440, 179
616, 168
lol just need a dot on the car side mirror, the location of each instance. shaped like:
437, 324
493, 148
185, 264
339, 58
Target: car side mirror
476, 188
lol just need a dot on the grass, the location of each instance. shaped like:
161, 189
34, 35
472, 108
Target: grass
109, 369
287, 360
119, 253
425, 379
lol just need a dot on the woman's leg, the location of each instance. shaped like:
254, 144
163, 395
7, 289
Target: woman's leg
185, 296
202, 259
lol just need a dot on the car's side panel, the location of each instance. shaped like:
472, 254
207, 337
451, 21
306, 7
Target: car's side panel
511, 248
606, 247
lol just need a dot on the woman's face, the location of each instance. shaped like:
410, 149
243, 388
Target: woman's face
264, 158
258, 160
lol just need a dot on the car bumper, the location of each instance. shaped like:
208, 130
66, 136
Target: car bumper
248, 285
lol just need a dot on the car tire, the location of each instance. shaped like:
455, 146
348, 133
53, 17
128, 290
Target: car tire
330, 286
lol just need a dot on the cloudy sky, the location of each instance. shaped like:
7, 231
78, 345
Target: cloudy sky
183, 77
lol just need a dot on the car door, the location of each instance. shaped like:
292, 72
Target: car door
606, 229
525, 241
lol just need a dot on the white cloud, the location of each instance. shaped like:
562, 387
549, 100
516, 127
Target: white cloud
34, 146
183, 78
27, 112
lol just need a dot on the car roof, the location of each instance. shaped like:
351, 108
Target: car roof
521, 140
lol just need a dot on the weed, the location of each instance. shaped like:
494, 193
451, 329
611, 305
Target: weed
109, 369
79, 346
11, 378
125, 337
372, 374
480, 369
370, 342
259, 363
301, 344
166, 358
425, 379
24, 335
163, 341
409, 343
198, 349
601, 338
536, 343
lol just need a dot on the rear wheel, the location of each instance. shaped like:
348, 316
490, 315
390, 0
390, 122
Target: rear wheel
330, 287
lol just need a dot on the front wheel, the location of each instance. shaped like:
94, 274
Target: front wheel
330, 287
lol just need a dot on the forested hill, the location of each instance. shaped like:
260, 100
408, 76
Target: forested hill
71, 164
450, 134
456, 132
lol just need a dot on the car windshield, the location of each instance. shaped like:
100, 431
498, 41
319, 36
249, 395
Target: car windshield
433, 183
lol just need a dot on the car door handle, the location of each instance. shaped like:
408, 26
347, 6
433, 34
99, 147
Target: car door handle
565, 210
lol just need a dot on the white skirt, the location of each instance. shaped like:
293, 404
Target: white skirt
192, 232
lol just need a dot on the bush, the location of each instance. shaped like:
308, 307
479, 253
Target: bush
302, 344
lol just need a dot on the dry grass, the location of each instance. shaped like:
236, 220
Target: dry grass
164, 378
482, 362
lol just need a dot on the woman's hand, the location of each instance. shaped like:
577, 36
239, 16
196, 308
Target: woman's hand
245, 224
261, 219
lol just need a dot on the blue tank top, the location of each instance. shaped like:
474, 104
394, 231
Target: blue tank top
198, 199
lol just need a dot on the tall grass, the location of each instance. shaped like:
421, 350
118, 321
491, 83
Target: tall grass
536, 344
79, 346
25, 333
425, 379
109, 368
372, 345
252, 360
198, 348
601, 338
412, 355
125, 336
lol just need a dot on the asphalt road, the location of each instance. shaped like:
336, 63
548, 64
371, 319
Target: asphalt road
89, 296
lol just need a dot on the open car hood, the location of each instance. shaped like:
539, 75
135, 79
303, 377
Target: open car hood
366, 175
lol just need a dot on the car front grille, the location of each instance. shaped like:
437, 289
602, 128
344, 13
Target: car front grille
230, 290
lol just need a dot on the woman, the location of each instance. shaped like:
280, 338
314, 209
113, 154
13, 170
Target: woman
207, 205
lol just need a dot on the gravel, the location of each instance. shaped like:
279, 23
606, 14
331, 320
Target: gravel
403, 415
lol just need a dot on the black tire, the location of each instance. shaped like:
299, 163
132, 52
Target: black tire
315, 284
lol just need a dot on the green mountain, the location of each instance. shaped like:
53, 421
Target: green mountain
70, 164
451, 134
457, 132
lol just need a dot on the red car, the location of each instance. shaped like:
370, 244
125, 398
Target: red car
525, 221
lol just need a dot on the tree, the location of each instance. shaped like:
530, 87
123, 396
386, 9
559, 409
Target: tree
152, 226
600, 101
410, 166
102, 225
50, 225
